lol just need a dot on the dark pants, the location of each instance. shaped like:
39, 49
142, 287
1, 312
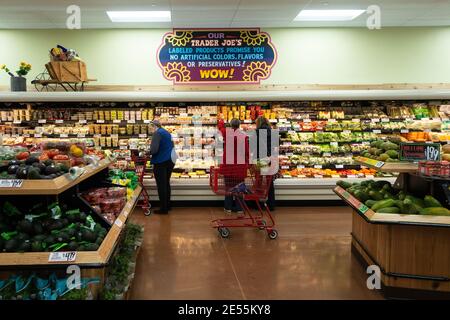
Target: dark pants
163, 172
271, 197
231, 203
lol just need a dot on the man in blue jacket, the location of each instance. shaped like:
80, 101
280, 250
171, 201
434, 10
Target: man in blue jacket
163, 160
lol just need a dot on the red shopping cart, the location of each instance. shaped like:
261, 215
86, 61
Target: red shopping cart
140, 164
245, 183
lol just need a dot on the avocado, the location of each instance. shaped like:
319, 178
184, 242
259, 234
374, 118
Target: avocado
49, 240
36, 246
62, 237
25, 226
11, 245
72, 246
64, 222
39, 166
39, 237
14, 163
22, 236
63, 168
13, 169
51, 169
99, 240
24, 246
37, 227
30, 160
22, 173
71, 232
33, 173
48, 162
88, 235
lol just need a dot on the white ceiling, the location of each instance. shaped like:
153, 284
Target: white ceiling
220, 13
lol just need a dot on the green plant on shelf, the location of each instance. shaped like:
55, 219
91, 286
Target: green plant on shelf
23, 70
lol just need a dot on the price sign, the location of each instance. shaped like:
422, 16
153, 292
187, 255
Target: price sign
81, 135
17, 122
327, 154
334, 144
306, 120
82, 121
384, 119
289, 154
285, 167
375, 120
42, 121
287, 144
143, 135
118, 223
420, 151
318, 176
117, 121
59, 121
426, 130
404, 131
425, 119
63, 135
339, 166
318, 166
100, 121
376, 131
131, 121
247, 121
147, 121
356, 120
11, 183
273, 120
331, 120
352, 176
370, 176
300, 166
335, 176
346, 131
123, 147
68, 256
38, 135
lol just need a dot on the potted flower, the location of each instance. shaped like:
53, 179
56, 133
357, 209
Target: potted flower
19, 82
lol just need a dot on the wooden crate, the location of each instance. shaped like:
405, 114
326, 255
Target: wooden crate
67, 71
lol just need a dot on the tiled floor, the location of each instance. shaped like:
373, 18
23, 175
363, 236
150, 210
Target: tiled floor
184, 258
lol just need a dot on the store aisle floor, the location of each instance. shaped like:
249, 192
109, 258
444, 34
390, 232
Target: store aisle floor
183, 258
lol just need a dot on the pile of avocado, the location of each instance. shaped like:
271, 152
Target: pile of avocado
383, 150
32, 168
44, 229
382, 198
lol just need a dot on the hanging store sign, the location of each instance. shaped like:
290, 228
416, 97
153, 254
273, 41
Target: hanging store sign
420, 151
211, 56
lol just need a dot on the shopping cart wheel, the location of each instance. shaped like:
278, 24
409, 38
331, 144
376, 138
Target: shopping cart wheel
224, 232
148, 212
262, 224
273, 234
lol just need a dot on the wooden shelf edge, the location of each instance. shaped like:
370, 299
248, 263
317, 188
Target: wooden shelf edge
55, 186
401, 167
94, 258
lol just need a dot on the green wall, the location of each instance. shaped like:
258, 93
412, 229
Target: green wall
305, 56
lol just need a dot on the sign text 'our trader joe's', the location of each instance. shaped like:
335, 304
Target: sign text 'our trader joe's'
216, 56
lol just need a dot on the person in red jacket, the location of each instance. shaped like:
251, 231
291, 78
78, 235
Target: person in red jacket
235, 159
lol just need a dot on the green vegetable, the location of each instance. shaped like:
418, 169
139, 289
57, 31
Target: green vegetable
376, 195
435, 211
10, 210
370, 203
383, 204
389, 210
430, 201
9, 235
344, 184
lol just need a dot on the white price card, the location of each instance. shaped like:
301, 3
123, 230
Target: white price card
143, 135
404, 131
131, 121
300, 166
335, 176
81, 135
376, 131
346, 131
339, 166
425, 119
370, 176
375, 120
59, 121
384, 119
327, 154
63, 135
123, 147
68, 256
318, 166
273, 120
285, 167
287, 144
38, 135
247, 121
42, 121
17, 122
307, 120
318, 176
117, 121
183, 114
331, 120
114, 135
334, 144
82, 121
11, 183
426, 130
147, 121
118, 223
97, 135
26, 135
356, 120
352, 176
289, 154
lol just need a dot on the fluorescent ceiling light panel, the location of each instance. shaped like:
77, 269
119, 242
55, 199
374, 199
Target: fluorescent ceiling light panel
139, 16
328, 15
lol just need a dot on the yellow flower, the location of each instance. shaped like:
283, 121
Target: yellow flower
2, 66
29, 66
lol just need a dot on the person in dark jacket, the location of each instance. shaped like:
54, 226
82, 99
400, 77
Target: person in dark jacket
163, 159
262, 124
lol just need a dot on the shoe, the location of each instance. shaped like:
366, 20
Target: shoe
160, 212
227, 211
240, 212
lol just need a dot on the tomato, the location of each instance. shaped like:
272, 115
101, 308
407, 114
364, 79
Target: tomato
43, 157
52, 153
22, 155
61, 157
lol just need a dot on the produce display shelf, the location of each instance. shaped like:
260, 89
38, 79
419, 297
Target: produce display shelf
83, 258
391, 218
383, 131
57, 185
400, 167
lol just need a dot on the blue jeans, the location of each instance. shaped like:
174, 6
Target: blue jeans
232, 204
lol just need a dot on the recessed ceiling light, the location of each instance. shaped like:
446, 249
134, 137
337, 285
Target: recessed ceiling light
139, 16
328, 15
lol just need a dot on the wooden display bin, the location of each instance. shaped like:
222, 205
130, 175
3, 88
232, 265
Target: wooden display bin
412, 251
92, 263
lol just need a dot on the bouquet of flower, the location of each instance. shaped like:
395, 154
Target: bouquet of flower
24, 68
